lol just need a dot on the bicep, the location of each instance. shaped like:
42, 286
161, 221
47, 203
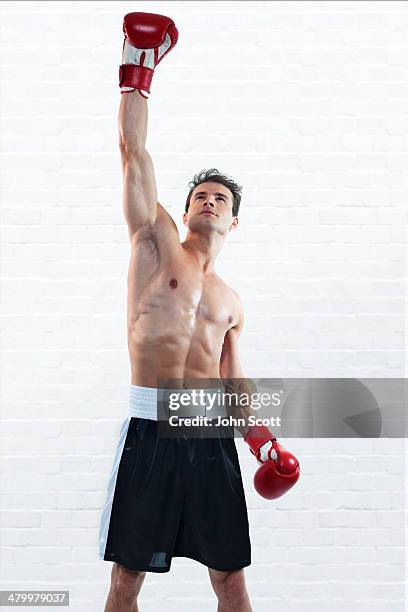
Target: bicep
139, 192
230, 365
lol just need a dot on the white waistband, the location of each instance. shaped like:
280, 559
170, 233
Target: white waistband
152, 403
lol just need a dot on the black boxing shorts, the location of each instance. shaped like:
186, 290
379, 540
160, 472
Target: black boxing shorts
173, 497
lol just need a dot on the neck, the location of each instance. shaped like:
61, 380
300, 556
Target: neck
205, 248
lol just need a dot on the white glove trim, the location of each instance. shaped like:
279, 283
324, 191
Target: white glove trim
267, 453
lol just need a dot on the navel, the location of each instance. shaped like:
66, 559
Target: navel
173, 283
230, 319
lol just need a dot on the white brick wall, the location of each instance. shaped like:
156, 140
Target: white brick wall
305, 104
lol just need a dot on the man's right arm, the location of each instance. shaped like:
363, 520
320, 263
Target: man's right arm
139, 183
148, 39
139, 192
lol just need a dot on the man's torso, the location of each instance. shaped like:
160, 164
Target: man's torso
177, 314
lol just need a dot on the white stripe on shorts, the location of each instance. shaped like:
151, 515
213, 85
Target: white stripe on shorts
107, 508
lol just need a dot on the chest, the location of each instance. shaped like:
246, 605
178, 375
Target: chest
203, 298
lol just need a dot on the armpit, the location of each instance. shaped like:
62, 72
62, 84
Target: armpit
146, 237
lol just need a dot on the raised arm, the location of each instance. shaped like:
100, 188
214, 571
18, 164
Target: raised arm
139, 183
148, 39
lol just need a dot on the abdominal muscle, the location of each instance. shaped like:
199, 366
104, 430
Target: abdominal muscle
177, 321
162, 346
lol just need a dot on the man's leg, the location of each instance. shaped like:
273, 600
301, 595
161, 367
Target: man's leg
230, 590
124, 589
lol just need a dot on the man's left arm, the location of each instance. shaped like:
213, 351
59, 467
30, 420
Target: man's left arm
231, 371
234, 382
281, 470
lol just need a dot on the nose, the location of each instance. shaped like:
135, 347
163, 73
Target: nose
208, 202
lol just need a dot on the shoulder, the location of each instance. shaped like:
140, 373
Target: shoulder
240, 311
233, 299
234, 295
238, 308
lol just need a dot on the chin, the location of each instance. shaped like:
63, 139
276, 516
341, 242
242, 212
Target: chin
204, 222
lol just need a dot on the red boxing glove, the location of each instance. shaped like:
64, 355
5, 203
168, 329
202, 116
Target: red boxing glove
276, 475
148, 38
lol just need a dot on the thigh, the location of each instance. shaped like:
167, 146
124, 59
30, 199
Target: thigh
146, 504
215, 512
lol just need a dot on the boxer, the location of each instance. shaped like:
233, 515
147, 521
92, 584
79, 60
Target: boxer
180, 496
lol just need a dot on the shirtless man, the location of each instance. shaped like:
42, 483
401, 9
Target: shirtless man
181, 496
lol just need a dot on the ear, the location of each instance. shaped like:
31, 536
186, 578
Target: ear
234, 223
185, 218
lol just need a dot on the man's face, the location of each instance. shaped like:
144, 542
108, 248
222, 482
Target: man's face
210, 209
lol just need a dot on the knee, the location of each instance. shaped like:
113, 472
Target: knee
126, 583
230, 586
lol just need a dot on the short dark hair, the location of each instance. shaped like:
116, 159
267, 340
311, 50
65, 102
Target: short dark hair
214, 176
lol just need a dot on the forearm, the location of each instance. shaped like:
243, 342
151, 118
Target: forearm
139, 184
133, 117
239, 406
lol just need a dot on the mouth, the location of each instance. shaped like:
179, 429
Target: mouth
207, 212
